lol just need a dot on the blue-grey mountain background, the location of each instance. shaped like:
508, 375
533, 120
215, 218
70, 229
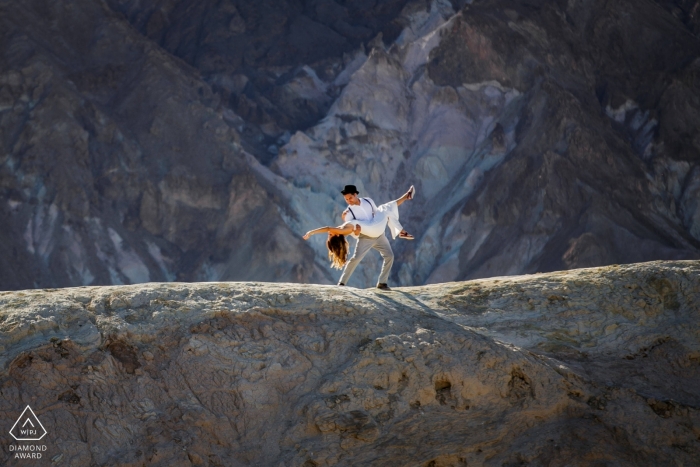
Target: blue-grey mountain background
146, 140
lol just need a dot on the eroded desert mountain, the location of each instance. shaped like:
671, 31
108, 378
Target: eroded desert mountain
197, 141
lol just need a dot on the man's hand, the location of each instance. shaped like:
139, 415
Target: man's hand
357, 230
307, 235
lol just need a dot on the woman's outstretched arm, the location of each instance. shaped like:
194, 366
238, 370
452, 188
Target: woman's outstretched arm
347, 230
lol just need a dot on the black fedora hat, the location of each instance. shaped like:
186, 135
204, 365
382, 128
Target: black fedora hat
350, 189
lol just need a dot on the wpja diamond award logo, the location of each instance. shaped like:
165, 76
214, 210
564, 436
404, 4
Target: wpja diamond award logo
28, 428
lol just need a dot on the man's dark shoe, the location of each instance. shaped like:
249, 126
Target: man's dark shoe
383, 286
340, 283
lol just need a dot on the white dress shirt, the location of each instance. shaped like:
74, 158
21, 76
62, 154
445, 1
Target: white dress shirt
363, 212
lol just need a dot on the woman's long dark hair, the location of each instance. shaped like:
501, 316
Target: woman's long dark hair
337, 250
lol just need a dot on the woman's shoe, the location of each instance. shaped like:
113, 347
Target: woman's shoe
411, 192
406, 236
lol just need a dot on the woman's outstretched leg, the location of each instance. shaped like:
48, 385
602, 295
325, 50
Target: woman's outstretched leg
393, 216
391, 211
408, 195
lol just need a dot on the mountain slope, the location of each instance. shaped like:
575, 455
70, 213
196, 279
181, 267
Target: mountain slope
117, 165
163, 140
541, 137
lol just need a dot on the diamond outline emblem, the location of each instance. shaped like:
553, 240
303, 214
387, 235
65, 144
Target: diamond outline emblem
30, 422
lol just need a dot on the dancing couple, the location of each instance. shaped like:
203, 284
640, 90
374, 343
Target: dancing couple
365, 221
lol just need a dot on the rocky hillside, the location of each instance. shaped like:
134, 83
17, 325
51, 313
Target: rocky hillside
163, 140
542, 136
591, 366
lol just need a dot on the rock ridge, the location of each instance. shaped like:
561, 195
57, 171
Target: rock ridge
595, 366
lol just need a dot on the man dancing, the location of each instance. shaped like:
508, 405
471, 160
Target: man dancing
364, 209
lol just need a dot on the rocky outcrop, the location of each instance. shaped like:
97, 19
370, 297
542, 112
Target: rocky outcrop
597, 365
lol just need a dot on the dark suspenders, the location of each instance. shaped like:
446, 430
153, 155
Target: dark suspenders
370, 205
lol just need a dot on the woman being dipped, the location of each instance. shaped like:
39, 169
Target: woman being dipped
386, 214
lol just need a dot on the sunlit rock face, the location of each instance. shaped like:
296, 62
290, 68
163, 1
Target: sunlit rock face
181, 140
539, 137
592, 366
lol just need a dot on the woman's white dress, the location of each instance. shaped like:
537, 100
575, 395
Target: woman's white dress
386, 214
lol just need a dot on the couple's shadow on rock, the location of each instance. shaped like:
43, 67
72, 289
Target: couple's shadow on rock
392, 297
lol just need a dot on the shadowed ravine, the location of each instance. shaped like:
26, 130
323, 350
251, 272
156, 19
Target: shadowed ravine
584, 367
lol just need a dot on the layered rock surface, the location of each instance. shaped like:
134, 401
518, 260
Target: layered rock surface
584, 367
